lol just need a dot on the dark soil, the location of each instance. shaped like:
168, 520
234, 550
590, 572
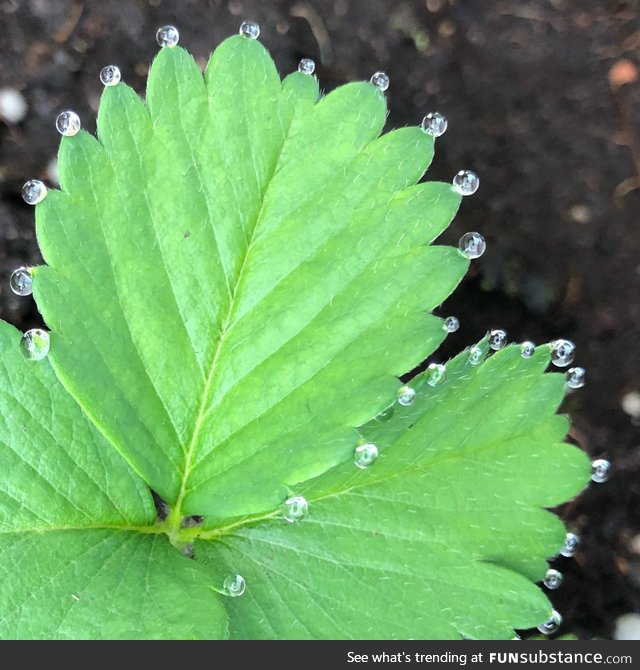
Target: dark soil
537, 106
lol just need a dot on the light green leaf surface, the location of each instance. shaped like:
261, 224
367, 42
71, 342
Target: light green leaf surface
244, 272
441, 538
77, 553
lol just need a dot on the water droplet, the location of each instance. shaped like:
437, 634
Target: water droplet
553, 579
451, 324
552, 624
600, 470
21, 282
234, 585
497, 339
466, 182
34, 191
68, 124
476, 355
167, 36
435, 124
406, 395
527, 349
35, 344
472, 245
250, 29
381, 81
435, 374
365, 455
385, 415
307, 66
110, 75
562, 353
294, 508
571, 542
576, 378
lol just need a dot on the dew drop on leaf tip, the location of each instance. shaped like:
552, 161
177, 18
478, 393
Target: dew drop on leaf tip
552, 624
435, 374
250, 29
365, 455
110, 75
497, 339
553, 579
472, 245
34, 191
167, 36
68, 124
562, 353
571, 542
380, 80
306, 66
451, 324
294, 508
21, 282
434, 124
600, 470
405, 395
527, 349
234, 585
35, 344
476, 355
466, 182
576, 378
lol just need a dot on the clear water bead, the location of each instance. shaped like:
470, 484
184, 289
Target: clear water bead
365, 455
21, 282
34, 191
35, 344
381, 81
476, 355
294, 508
576, 378
466, 182
167, 36
497, 339
571, 542
435, 124
68, 124
562, 353
472, 245
451, 324
110, 75
553, 579
600, 470
250, 29
405, 395
552, 624
435, 373
234, 585
307, 66
527, 349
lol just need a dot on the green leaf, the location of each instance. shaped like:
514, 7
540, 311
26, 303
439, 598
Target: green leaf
441, 538
78, 557
245, 273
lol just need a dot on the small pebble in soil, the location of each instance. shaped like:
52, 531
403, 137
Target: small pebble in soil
600, 470
435, 124
168, 36
553, 579
451, 324
435, 374
472, 245
571, 542
294, 508
576, 378
497, 339
110, 75
627, 627
250, 30
527, 349
631, 404
562, 353
34, 191
234, 585
35, 344
381, 81
306, 66
364, 455
21, 282
68, 124
405, 395
52, 171
552, 624
13, 106
466, 182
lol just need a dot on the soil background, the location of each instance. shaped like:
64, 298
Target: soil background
543, 102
